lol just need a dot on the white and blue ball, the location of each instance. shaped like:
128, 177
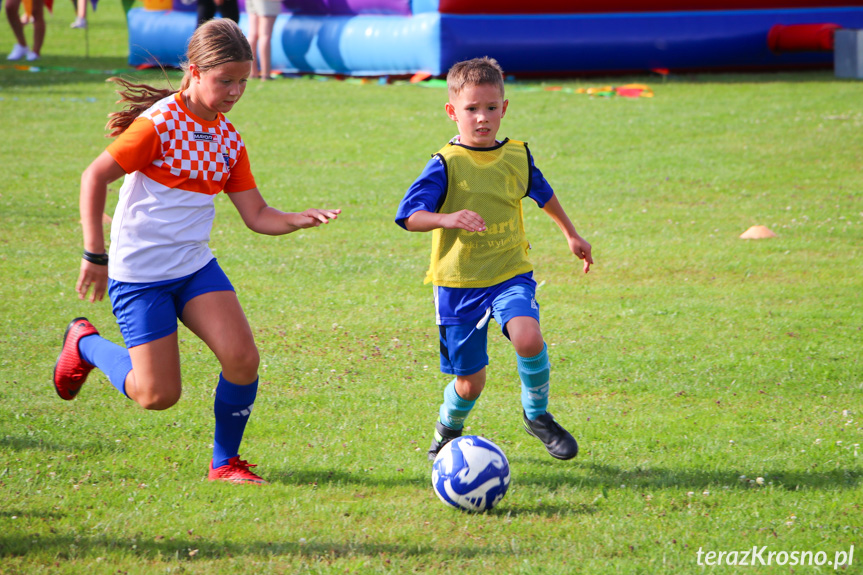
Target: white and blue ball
470, 473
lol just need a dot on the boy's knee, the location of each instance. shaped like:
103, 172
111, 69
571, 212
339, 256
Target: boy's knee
525, 335
469, 387
528, 343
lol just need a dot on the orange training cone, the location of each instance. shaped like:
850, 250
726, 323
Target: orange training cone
757, 233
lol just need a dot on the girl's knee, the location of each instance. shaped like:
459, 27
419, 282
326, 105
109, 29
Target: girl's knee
242, 363
153, 393
158, 400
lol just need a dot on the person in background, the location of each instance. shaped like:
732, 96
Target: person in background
226, 8
80, 14
21, 50
262, 19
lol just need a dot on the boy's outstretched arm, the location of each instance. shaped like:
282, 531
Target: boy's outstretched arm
577, 244
424, 221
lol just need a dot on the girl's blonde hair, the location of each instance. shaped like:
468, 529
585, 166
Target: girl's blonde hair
214, 43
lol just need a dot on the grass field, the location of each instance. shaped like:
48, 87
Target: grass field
686, 360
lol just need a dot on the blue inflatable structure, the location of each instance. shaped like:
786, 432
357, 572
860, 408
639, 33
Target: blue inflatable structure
403, 37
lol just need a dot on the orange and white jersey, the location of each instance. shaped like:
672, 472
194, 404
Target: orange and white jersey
175, 164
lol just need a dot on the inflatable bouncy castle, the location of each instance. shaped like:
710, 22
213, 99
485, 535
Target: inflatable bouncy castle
548, 37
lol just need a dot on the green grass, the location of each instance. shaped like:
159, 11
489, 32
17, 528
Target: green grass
686, 359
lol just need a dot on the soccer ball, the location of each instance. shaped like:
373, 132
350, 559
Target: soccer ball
470, 473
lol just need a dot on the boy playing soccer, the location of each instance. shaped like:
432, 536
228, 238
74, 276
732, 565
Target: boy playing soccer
469, 196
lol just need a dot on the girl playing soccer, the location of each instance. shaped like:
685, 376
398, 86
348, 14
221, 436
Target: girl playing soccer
177, 150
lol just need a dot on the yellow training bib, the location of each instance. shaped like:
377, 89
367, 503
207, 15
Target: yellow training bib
491, 182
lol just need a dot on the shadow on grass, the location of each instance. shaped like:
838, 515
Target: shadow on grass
10, 513
544, 473
11, 443
541, 509
192, 549
54, 71
335, 477
819, 75
552, 475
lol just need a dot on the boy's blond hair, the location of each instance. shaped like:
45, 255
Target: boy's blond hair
474, 72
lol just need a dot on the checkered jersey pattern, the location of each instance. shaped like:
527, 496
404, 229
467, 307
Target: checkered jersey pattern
201, 155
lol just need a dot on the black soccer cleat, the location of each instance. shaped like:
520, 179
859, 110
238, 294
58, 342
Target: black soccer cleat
559, 443
442, 436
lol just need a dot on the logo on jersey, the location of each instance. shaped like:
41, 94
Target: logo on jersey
203, 137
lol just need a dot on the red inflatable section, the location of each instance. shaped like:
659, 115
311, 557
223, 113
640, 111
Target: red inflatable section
616, 6
802, 37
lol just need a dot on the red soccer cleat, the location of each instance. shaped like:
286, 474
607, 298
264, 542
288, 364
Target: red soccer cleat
235, 471
70, 371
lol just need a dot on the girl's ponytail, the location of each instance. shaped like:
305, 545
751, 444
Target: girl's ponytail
137, 98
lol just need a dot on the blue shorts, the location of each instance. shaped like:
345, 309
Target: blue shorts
146, 312
464, 348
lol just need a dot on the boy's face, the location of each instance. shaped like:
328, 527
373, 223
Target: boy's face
477, 110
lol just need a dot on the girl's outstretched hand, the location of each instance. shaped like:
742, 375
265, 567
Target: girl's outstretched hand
95, 276
314, 217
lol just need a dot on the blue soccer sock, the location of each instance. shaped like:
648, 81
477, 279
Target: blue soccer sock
454, 410
232, 407
112, 359
534, 373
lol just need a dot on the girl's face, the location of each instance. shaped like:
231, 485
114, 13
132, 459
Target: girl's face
217, 89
